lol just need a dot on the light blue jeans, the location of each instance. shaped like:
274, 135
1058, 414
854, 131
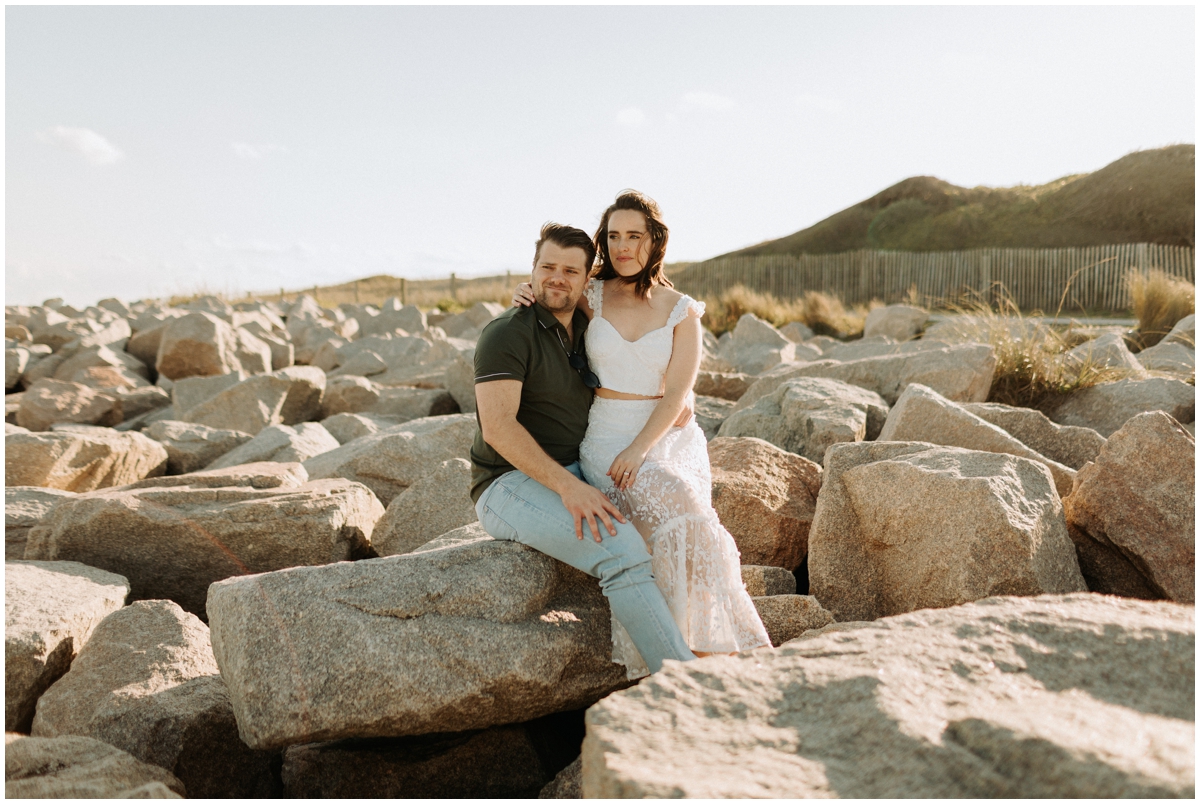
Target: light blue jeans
518, 508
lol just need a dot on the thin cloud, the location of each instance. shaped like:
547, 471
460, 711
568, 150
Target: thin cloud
631, 117
85, 142
244, 150
819, 102
709, 101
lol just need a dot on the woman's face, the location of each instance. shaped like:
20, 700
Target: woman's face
628, 241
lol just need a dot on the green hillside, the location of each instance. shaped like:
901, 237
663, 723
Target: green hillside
1145, 197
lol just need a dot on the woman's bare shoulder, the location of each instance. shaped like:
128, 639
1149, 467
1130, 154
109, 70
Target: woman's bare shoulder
665, 298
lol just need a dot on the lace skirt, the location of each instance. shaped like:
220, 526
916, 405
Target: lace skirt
695, 560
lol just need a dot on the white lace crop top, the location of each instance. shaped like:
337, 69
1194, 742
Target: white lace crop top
631, 367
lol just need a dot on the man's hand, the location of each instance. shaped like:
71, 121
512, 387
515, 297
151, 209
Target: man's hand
588, 502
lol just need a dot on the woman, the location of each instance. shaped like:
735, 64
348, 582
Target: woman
644, 343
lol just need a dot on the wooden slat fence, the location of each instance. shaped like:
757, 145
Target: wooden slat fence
1033, 278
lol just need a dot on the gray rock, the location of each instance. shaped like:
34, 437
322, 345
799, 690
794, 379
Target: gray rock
193, 446
765, 497
898, 321
467, 534
408, 318
173, 542
1132, 514
248, 406
807, 415
303, 401
755, 346
879, 346
722, 385
406, 404
391, 460
15, 362
763, 581
362, 364
99, 357
1170, 356
1070, 446
787, 616
24, 507
1107, 406
476, 318
254, 475
1107, 350
253, 355
901, 526
348, 394
796, 332
960, 373
299, 649
1005, 698
80, 767
281, 444
711, 412
147, 683
437, 503
190, 392
50, 610
198, 344
81, 461
48, 402
460, 380
1184, 332
346, 427
921, 414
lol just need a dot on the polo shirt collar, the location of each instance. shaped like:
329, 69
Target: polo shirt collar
547, 320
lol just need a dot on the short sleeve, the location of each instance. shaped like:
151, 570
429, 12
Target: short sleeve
685, 305
502, 353
594, 295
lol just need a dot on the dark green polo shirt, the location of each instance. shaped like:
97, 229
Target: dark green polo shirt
530, 345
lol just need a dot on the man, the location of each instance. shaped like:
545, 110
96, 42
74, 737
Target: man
533, 394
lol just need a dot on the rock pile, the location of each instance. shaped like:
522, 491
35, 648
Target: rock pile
295, 478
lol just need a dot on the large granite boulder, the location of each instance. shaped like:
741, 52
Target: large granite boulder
80, 767
901, 526
437, 503
460, 380
1106, 407
189, 392
765, 497
280, 443
361, 649
755, 346
346, 427
15, 362
960, 373
1072, 696
173, 542
303, 400
787, 616
248, 406
193, 446
763, 581
469, 323
1132, 514
806, 415
49, 402
147, 684
50, 610
711, 412
1070, 446
922, 414
24, 507
81, 461
722, 385
391, 460
1173, 357
198, 344
1105, 351
897, 321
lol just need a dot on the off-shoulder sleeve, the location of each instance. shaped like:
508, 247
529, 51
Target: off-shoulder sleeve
594, 295
685, 305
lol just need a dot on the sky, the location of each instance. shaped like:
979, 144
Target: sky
152, 151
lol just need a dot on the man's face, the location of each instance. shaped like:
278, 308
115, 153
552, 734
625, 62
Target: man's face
559, 277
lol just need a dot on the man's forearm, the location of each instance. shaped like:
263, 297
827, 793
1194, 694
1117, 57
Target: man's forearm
518, 447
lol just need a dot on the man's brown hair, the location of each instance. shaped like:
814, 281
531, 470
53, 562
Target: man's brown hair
653, 273
565, 236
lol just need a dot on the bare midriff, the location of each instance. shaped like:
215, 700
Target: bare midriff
605, 393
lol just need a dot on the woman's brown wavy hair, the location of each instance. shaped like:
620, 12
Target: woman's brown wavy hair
653, 273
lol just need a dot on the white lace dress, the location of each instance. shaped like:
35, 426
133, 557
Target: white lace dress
695, 560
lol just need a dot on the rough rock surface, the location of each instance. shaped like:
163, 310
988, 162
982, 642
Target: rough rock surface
765, 497
960, 373
921, 414
1171, 356
198, 344
173, 542
255, 475
806, 415
901, 526
1070, 446
189, 392
1133, 512
303, 400
50, 610
796, 331
80, 767
1107, 406
787, 616
729, 386
49, 402
81, 461
467, 534
711, 412
391, 460
460, 380
280, 443
762, 581
1108, 350
300, 649
437, 503
898, 321
193, 446
348, 394
346, 427
1048, 697
755, 346
248, 406
24, 507
147, 683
